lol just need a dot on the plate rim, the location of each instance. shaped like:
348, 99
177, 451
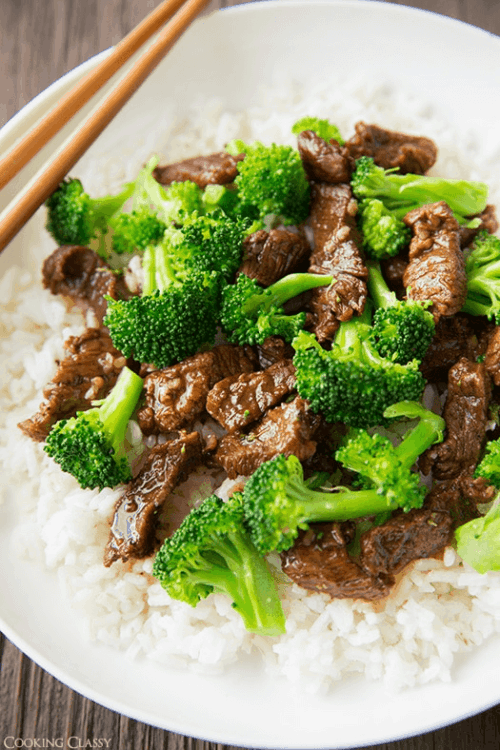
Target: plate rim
24, 113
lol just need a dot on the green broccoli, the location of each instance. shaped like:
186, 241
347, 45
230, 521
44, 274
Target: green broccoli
91, 446
489, 466
217, 198
211, 243
352, 382
134, 231
402, 329
323, 128
478, 541
272, 183
277, 501
180, 201
172, 204
212, 552
173, 316
402, 193
74, 218
249, 313
384, 234
482, 267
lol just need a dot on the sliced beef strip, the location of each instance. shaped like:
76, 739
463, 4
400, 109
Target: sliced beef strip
319, 561
273, 350
239, 400
133, 529
426, 531
466, 416
337, 251
268, 256
454, 338
393, 270
473, 491
287, 428
176, 396
88, 372
436, 270
390, 149
420, 533
332, 218
327, 437
489, 223
459, 497
215, 169
492, 355
80, 274
324, 162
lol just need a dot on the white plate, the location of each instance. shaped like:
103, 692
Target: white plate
227, 55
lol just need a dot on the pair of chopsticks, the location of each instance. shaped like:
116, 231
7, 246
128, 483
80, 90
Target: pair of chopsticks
74, 100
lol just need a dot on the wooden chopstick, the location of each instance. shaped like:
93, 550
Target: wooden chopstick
74, 100
82, 139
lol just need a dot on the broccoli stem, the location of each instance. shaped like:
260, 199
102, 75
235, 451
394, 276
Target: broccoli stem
149, 270
473, 307
117, 408
337, 506
246, 580
416, 442
109, 205
149, 190
351, 332
487, 270
408, 191
284, 289
463, 197
157, 269
165, 274
400, 193
428, 431
260, 588
379, 291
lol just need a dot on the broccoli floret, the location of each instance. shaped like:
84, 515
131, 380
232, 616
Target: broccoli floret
402, 329
174, 203
134, 231
249, 313
489, 466
272, 183
181, 200
401, 193
352, 383
324, 128
219, 197
91, 446
211, 243
172, 317
379, 463
482, 267
278, 502
212, 552
384, 234
176, 313
74, 218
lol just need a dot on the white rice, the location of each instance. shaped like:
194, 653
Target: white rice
439, 609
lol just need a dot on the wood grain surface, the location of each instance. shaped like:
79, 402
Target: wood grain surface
40, 41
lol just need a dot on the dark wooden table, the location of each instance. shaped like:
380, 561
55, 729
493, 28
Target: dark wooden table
39, 41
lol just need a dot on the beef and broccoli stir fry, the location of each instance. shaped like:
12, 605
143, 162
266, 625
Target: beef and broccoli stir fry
320, 324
